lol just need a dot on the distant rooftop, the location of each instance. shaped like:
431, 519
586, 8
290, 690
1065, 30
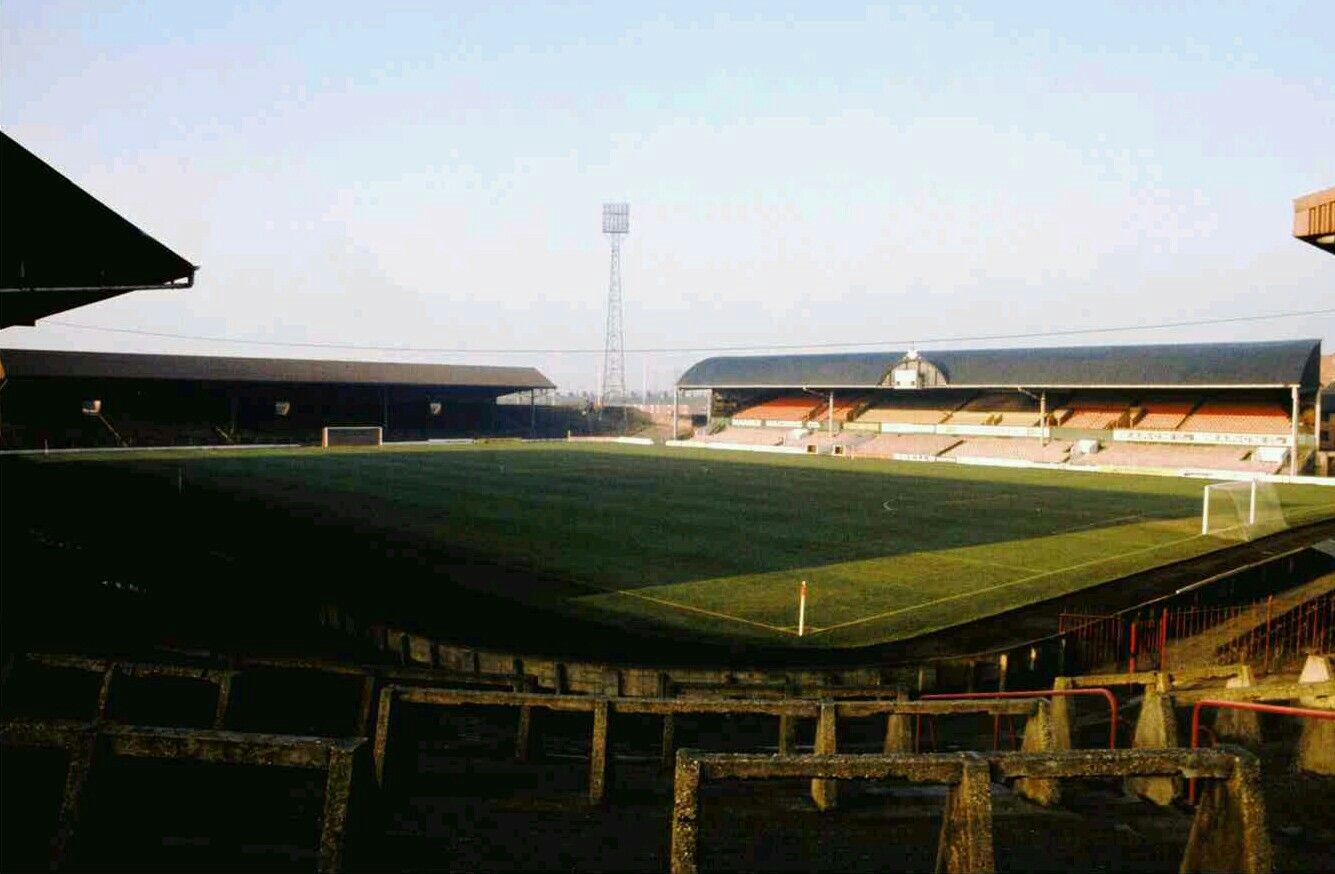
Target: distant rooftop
44, 363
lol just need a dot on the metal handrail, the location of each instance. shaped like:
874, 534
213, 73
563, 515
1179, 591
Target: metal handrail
1254, 706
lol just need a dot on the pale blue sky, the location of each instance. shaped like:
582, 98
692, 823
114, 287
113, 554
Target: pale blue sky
431, 175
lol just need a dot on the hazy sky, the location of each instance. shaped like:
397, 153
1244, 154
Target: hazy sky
431, 175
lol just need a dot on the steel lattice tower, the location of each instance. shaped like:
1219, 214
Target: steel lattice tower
616, 224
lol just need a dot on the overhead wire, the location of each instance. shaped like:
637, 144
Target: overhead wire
658, 350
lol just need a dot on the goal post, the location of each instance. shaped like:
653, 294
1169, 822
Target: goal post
1243, 509
351, 435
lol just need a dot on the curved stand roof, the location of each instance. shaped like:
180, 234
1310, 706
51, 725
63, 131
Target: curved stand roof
1271, 364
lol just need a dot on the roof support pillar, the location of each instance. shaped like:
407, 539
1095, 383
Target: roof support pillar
532, 412
676, 402
1316, 427
1043, 417
1293, 437
830, 422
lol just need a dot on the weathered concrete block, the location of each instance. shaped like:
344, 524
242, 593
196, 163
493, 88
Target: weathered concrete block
1316, 744
1038, 738
669, 747
1238, 726
965, 843
1155, 729
1229, 832
685, 815
898, 733
787, 735
418, 650
525, 742
825, 793
334, 817
1317, 669
600, 754
1060, 715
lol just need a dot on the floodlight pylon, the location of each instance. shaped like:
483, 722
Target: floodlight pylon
616, 224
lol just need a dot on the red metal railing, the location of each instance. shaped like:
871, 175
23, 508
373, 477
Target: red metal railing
1042, 693
1307, 628
1269, 639
1254, 706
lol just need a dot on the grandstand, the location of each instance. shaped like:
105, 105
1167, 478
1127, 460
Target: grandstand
61, 248
907, 411
1161, 413
1237, 417
1093, 413
906, 446
784, 411
1225, 407
56, 399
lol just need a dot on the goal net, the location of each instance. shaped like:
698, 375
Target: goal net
1241, 510
351, 435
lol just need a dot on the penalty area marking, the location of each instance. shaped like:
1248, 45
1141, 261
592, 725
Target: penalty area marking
983, 563
811, 630
973, 592
984, 499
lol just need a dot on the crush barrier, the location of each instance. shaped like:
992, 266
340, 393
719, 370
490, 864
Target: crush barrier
1157, 725
1038, 729
1228, 832
1252, 707
371, 678
1063, 729
87, 742
111, 670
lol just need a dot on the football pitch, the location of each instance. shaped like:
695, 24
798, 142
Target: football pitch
716, 543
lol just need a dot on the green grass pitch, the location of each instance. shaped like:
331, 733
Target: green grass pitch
716, 542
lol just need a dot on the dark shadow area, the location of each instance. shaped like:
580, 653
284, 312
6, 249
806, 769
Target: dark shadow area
30, 793
622, 521
110, 558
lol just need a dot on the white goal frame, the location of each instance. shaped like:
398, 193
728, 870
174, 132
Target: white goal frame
379, 434
1205, 504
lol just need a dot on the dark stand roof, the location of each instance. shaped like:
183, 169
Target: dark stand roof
42, 363
1242, 365
61, 248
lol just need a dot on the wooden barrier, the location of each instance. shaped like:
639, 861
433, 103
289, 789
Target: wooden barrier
1228, 832
86, 742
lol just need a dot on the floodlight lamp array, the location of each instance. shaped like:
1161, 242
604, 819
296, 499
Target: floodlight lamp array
616, 218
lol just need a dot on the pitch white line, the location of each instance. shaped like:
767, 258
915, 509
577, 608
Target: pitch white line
982, 563
666, 603
1005, 585
1097, 523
